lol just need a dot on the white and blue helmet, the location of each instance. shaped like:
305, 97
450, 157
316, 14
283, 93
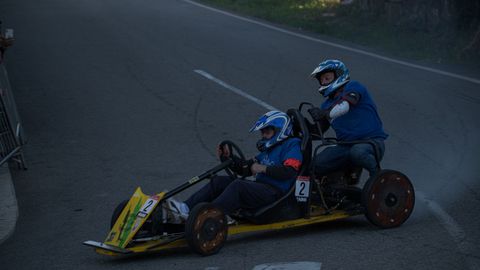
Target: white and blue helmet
280, 122
342, 76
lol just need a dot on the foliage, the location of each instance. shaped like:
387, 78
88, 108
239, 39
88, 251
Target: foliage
434, 30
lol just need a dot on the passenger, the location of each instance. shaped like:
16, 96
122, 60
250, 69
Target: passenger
351, 112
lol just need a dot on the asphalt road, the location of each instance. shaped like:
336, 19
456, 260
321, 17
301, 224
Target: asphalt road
109, 100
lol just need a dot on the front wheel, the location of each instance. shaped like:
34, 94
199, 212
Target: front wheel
116, 213
206, 229
388, 198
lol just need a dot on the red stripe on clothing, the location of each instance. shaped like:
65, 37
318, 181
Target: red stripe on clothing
294, 163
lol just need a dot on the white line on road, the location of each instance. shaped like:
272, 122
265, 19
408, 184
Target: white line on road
447, 221
374, 55
282, 266
236, 90
452, 227
289, 266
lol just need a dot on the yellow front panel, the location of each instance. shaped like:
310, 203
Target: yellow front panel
129, 221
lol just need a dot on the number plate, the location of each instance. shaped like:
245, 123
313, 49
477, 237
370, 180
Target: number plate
147, 207
302, 188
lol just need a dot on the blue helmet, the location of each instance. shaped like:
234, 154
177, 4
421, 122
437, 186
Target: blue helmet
280, 122
342, 76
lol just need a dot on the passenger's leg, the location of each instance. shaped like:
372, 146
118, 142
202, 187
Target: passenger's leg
364, 155
332, 159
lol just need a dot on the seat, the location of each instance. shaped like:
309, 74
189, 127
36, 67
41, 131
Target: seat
300, 130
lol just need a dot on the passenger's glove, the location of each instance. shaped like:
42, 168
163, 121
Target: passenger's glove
241, 166
318, 114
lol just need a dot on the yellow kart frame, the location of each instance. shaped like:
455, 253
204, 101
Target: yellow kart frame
131, 219
387, 200
119, 239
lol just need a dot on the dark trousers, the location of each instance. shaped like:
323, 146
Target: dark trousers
338, 157
232, 194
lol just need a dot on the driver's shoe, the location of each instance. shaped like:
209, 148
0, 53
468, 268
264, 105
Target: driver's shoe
179, 209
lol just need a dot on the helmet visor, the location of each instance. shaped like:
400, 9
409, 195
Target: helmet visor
326, 78
268, 132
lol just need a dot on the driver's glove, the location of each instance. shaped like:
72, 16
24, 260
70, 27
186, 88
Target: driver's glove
221, 154
241, 167
318, 114
223, 158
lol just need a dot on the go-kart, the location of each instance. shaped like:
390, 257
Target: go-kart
141, 224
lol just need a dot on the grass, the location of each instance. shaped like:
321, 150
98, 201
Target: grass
349, 23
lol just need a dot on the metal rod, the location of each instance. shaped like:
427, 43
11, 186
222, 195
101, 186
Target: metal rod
198, 179
10, 155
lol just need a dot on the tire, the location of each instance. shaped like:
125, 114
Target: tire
388, 198
116, 213
206, 229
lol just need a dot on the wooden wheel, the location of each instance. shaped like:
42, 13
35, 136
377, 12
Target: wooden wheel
388, 198
206, 229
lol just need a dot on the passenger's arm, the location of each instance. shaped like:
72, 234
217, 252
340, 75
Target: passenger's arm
343, 107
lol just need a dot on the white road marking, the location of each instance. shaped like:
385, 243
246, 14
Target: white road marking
452, 227
236, 90
289, 266
447, 221
335, 45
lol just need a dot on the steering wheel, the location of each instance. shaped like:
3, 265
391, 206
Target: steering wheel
235, 153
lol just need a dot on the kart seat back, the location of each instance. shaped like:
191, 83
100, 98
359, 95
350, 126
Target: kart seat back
300, 130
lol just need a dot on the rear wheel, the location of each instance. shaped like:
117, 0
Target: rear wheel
206, 229
388, 198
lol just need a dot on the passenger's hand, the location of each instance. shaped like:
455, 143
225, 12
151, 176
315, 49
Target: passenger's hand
258, 168
318, 114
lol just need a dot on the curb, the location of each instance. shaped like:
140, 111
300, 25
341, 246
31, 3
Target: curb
8, 204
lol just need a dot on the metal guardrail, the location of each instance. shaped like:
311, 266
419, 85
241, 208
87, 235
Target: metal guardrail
12, 137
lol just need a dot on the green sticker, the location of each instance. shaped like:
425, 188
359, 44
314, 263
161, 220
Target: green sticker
128, 226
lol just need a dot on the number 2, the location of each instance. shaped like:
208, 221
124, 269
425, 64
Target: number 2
302, 187
149, 203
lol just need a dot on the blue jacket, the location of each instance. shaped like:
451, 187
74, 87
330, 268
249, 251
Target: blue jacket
362, 120
287, 153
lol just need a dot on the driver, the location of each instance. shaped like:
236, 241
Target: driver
275, 169
351, 112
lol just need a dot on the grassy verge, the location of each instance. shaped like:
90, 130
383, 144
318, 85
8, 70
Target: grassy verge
347, 22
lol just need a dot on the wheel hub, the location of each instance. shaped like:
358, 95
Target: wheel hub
391, 200
209, 229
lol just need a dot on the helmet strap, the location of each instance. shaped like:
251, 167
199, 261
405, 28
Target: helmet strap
262, 145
